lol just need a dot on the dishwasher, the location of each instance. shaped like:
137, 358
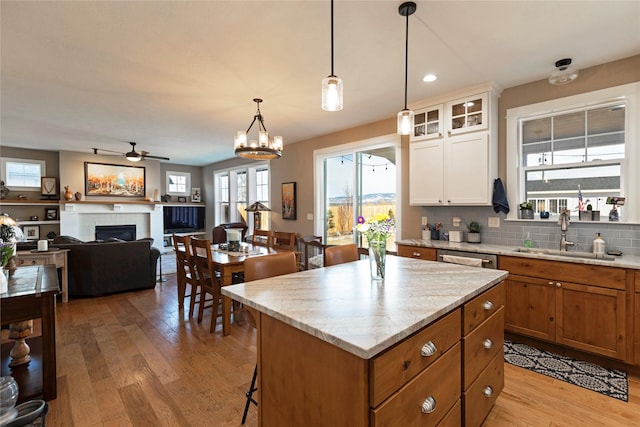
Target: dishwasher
467, 258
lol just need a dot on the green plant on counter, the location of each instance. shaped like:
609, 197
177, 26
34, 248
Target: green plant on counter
474, 227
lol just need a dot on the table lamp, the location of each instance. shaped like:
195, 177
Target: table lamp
256, 208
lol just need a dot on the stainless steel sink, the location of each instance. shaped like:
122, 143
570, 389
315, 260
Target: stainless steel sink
567, 254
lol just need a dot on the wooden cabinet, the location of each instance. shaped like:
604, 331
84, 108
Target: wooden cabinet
417, 252
578, 305
456, 163
483, 354
450, 369
637, 317
47, 212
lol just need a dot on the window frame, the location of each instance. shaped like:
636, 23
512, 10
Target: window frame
629, 176
168, 176
232, 193
3, 168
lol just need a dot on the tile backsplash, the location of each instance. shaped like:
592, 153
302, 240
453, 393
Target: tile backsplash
544, 233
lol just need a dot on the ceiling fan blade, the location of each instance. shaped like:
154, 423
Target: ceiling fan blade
148, 156
95, 151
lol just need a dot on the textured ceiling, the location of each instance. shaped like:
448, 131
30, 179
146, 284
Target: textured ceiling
179, 77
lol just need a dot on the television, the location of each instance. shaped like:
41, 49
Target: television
183, 219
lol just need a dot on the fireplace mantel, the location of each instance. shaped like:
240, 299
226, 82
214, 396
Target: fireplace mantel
79, 218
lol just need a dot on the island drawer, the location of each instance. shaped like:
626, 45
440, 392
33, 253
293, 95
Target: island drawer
439, 385
453, 417
482, 394
417, 252
481, 346
483, 306
393, 368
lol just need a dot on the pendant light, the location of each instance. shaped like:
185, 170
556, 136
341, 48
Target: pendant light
405, 117
332, 84
261, 149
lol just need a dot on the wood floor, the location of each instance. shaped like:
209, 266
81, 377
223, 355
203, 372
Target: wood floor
134, 359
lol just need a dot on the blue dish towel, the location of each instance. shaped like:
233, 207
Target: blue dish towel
500, 202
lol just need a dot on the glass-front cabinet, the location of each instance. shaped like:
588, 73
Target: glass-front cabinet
428, 123
467, 114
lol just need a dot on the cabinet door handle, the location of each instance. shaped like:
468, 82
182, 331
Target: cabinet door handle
488, 305
429, 405
551, 283
428, 349
416, 254
488, 344
488, 391
558, 285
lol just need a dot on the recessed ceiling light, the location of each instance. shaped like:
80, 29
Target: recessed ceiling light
430, 78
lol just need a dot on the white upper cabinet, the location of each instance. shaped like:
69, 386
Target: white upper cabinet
453, 158
428, 123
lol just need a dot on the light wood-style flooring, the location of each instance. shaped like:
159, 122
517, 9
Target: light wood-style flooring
134, 359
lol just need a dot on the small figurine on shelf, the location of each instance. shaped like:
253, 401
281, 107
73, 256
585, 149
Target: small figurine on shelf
68, 195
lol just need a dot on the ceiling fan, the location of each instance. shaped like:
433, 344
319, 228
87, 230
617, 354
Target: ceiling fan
133, 155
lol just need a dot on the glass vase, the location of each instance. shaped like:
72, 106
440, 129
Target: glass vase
377, 258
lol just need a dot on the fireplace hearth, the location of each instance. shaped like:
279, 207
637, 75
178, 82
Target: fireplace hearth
122, 232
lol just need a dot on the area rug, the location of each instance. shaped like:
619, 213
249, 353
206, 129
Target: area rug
610, 382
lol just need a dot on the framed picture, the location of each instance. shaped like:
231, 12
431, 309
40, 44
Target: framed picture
195, 195
289, 200
103, 179
49, 187
182, 199
31, 232
51, 214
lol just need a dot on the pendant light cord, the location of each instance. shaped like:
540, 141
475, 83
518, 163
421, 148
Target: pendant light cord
406, 62
332, 38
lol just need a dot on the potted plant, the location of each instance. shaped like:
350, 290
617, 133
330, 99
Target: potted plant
526, 210
473, 236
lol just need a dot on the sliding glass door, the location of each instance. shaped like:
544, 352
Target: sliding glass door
360, 180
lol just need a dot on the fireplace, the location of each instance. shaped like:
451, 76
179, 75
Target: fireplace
122, 232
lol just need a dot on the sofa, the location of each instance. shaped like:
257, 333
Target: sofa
110, 266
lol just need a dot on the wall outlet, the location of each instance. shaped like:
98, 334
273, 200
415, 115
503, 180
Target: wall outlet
494, 221
310, 216
456, 221
425, 220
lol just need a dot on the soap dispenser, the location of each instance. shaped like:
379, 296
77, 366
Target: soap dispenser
528, 243
598, 246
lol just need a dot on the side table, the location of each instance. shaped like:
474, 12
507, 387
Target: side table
58, 257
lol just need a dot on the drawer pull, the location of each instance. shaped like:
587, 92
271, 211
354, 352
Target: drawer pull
416, 254
488, 344
429, 349
488, 305
429, 405
488, 391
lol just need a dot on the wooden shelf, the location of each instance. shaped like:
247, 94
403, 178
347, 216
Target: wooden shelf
30, 202
38, 222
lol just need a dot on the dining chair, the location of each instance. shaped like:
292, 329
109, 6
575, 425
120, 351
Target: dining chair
208, 280
186, 273
312, 251
262, 267
340, 254
261, 238
283, 240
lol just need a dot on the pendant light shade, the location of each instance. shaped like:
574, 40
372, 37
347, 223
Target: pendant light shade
332, 85
405, 117
261, 149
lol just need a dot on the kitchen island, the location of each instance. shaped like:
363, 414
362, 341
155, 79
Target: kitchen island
335, 348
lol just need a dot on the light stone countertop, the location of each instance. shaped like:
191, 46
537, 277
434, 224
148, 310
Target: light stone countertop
342, 306
624, 261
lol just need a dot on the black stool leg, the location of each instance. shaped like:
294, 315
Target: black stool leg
249, 394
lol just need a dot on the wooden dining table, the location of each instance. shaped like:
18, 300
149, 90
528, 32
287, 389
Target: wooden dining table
228, 263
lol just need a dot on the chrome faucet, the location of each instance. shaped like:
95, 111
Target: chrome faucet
564, 224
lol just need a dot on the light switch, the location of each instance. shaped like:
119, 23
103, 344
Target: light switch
310, 216
425, 220
494, 221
